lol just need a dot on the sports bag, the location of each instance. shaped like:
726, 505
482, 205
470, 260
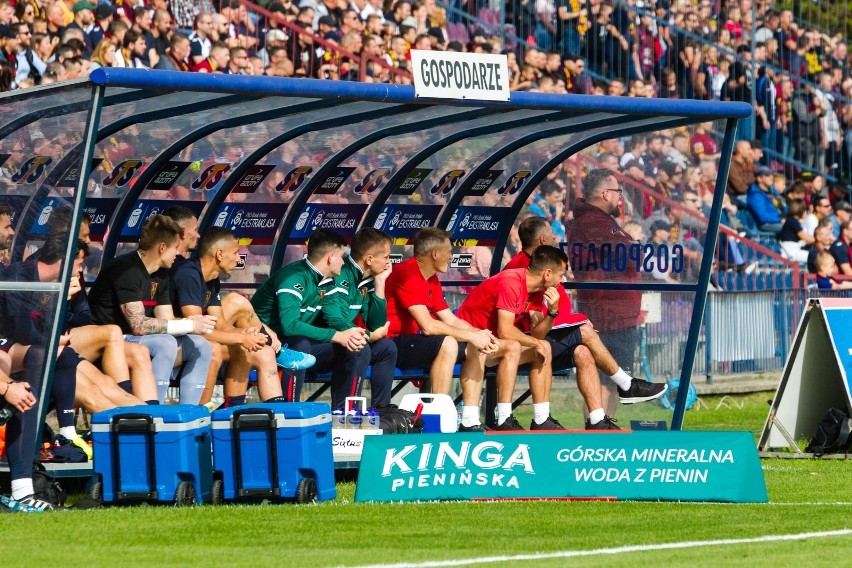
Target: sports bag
46, 487
394, 420
832, 434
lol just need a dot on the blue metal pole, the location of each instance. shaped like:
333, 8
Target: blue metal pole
704, 275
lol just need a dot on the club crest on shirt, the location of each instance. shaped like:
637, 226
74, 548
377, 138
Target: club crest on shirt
299, 287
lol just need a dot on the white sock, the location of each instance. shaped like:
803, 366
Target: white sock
22, 488
70, 432
470, 415
504, 411
541, 410
622, 379
596, 415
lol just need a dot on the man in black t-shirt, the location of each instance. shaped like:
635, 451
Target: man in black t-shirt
132, 291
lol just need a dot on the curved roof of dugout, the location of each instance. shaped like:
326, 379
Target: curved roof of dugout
275, 158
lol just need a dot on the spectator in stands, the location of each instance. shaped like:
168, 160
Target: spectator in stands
133, 292
175, 57
84, 18
426, 331
199, 39
55, 21
842, 212
840, 249
142, 24
765, 203
680, 153
549, 203
826, 269
217, 62
132, 51
793, 238
821, 213
741, 174
162, 33
823, 239
104, 54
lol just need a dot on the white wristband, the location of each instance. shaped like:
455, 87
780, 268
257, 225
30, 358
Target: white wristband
179, 327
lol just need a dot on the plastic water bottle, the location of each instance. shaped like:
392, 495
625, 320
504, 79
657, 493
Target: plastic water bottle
461, 411
371, 420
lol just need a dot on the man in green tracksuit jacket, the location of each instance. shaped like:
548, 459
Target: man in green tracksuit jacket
290, 301
359, 296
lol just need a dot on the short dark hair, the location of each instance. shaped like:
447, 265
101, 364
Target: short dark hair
5, 210
546, 257
84, 247
366, 240
179, 213
594, 179
53, 250
323, 242
531, 229
428, 239
159, 229
59, 220
212, 237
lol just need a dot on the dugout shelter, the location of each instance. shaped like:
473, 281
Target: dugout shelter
275, 159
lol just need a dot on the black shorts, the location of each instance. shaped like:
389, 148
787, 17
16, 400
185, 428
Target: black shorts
6, 344
563, 342
420, 351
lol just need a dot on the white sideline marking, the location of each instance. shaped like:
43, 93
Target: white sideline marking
618, 550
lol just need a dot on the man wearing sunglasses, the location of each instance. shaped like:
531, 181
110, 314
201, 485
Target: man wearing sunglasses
615, 314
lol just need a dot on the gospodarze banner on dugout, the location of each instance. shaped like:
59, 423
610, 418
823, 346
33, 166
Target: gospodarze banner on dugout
652, 466
449, 75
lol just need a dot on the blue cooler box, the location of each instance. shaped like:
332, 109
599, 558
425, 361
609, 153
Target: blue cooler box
275, 450
160, 453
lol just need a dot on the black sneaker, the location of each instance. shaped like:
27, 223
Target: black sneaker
642, 391
509, 424
606, 424
474, 428
550, 424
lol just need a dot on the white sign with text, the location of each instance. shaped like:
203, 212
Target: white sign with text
450, 75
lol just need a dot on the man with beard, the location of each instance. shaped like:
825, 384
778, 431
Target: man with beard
615, 314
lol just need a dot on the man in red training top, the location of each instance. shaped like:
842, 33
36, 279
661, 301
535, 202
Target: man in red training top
495, 304
574, 342
425, 330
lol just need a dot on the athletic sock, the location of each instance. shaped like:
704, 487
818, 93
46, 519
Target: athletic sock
154, 402
232, 401
69, 432
596, 415
621, 379
504, 411
541, 411
126, 386
276, 399
22, 488
470, 416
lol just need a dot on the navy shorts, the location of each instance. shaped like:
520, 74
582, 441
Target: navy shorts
563, 342
420, 351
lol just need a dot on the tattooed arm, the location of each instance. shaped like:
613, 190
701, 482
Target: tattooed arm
140, 324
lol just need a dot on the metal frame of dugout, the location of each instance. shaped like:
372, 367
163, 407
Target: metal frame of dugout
150, 129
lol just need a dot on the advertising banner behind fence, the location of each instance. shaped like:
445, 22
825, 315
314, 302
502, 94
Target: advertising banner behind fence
649, 466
